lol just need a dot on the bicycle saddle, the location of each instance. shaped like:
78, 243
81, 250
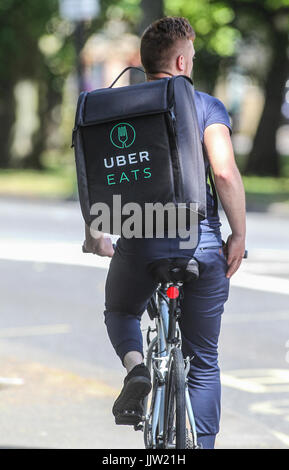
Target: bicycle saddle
174, 269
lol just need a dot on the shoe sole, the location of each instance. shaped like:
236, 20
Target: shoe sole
125, 408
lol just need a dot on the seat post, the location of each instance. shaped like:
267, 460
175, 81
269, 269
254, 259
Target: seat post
173, 305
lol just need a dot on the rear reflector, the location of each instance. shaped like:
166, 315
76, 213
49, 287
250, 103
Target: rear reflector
173, 292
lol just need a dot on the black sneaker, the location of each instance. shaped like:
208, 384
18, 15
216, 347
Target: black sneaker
128, 407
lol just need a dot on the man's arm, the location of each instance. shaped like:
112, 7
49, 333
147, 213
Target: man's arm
230, 189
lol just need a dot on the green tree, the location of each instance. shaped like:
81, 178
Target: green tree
36, 44
221, 27
21, 25
216, 37
267, 22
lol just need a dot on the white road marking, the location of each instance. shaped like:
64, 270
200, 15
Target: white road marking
284, 438
266, 408
11, 381
38, 330
71, 254
47, 252
268, 267
230, 380
253, 317
275, 407
257, 380
265, 254
276, 285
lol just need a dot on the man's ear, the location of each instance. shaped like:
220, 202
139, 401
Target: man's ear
180, 62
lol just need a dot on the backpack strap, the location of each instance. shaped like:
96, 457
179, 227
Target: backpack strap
210, 175
125, 70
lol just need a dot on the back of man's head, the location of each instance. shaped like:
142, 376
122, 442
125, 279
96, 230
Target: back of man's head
163, 42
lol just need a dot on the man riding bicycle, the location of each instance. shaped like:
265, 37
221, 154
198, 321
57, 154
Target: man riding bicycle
167, 49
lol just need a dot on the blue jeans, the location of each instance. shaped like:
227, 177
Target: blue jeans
129, 287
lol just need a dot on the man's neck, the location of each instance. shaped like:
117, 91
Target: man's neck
156, 76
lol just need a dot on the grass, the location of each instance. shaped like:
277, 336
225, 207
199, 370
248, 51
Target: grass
263, 191
60, 182
51, 183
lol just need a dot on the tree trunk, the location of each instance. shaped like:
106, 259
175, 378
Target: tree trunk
33, 159
151, 10
79, 42
264, 158
206, 70
48, 98
7, 119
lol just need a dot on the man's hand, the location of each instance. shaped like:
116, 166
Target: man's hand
101, 246
234, 250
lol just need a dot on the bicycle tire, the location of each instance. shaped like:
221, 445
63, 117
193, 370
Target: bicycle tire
147, 424
175, 435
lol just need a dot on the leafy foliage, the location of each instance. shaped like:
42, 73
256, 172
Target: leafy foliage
21, 25
211, 22
36, 43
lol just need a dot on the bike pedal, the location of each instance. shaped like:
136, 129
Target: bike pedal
138, 427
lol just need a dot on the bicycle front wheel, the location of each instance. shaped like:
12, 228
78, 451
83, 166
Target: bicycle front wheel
175, 403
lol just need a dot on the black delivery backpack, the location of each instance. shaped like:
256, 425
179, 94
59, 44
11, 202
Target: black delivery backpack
141, 142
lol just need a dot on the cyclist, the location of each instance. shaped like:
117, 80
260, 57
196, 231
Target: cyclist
167, 49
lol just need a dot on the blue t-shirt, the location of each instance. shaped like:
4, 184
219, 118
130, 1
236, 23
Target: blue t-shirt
210, 110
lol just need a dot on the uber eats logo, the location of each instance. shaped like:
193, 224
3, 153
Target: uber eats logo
128, 167
122, 135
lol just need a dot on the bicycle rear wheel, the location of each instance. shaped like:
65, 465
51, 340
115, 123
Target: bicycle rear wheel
149, 400
175, 403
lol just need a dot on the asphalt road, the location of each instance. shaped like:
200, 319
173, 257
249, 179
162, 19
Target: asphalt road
59, 374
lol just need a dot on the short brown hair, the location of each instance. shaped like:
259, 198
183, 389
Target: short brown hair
159, 40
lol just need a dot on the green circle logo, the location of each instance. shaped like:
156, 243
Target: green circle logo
122, 135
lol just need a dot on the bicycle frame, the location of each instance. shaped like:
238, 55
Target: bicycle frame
167, 336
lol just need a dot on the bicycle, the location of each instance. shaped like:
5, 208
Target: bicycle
168, 419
